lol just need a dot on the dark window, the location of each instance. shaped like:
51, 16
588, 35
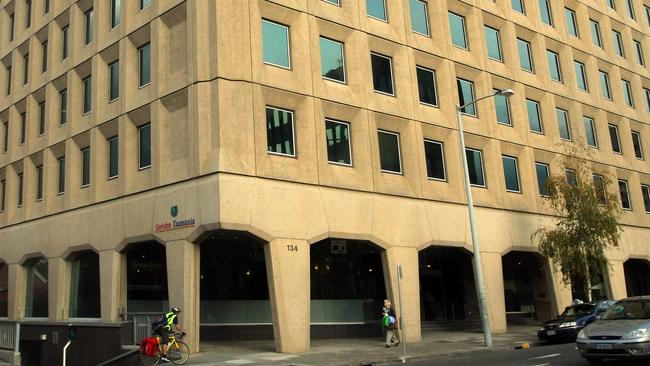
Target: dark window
116, 13
144, 146
534, 116
5, 145
114, 82
571, 176
44, 60
645, 192
638, 147
3, 194
542, 177
435, 159
23, 127
113, 157
144, 53
626, 204
20, 189
280, 137
36, 301
89, 26
26, 68
389, 153
144, 4
466, 96
39, 182
382, 73
84, 286
12, 25
475, 167
563, 123
604, 85
64, 45
4, 290
47, 6
613, 135
88, 94
599, 188
8, 80
146, 278
590, 131
511, 173
85, 167
427, 86
28, 13
338, 142
61, 187
63, 97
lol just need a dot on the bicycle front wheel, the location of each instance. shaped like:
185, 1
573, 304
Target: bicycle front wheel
178, 353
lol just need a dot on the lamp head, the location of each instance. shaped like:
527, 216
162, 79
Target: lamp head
506, 92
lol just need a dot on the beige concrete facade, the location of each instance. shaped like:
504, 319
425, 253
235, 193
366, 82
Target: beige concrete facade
206, 105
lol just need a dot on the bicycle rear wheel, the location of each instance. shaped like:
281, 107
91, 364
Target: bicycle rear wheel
178, 353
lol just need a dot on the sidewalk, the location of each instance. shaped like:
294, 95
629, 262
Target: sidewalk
348, 352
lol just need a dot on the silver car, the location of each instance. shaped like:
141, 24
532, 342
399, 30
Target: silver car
623, 331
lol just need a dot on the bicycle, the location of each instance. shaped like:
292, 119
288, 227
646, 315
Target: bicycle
177, 351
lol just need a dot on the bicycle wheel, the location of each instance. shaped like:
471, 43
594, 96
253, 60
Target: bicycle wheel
178, 353
149, 360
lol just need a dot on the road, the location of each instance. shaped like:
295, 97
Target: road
553, 355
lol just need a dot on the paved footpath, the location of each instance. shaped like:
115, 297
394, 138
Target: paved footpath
355, 352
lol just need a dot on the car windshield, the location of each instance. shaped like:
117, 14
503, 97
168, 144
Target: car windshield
630, 309
577, 310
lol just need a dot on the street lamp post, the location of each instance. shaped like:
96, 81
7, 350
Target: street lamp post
478, 268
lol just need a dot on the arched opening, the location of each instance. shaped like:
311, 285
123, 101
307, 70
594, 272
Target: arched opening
528, 297
36, 300
84, 285
447, 290
347, 288
234, 288
146, 278
637, 277
4, 290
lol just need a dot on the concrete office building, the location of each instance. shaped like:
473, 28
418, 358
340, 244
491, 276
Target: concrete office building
267, 164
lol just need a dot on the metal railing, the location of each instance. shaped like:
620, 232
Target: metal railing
141, 324
9, 335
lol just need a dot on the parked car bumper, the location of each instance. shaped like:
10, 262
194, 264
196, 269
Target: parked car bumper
614, 348
558, 334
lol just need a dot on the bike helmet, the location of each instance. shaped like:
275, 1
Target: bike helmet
175, 310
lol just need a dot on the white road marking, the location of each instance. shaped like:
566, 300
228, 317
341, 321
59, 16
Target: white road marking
543, 364
546, 356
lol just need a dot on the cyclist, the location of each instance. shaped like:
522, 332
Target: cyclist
170, 321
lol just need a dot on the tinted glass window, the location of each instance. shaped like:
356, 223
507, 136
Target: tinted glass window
435, 159
590, 131
604, 85
419, 17
275, 43
554, 65
636, 142
382, 73
377, 9
475, 167
493, 43
457, 26
518, 5
145, 146
627, 93
338, 142
534, 116
427, 86
113, 157
595, 33
114, 82
145, 64
502, 107
332, 60
525, 59
628, 309
645, 192
510, 173
571, 24
613, 134
581, 76
545, 12
85, 167
465, 96
389, 154
279, 131
625, 195
563, 123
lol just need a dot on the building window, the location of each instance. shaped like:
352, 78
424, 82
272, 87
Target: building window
280, 136
518, 5
63, 116
554, 66
84, 286
46, 6
465, 96
41, 118
144, 4
36, 302
88, 94
599, 188
23, 127
571, 177
545, 12
563, 124
646, 91
338, 142
335, 2
630, 8
571, 23
5, 145
475, 167
275, 44
8, 80
390, 159
26, 69
114, 81
618, 43
113, 157
595, 33
144, 53
85, 167
144, 146
525, 57
493, 43
457, 27
419, 17
89, 26
116, 13
61, 187
581, 76
511, 173
604, 85
645, 192
626, 204
611, 4
627, 93
332, 60
542, 176
639, 52
20, 189
613, 135
39, 183
647, 14
638, 147
64, 43
427, 86
382, 73
377, 9
590, 131
28, 13
502, 108
435, 159
534, 116
3, 192
44, 59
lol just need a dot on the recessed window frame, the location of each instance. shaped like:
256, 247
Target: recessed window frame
293, 153
442, 154
87, 98
399, 152
506, 100
565, 120
85, 167
144, 4
581, 76
23, 127
3, 195
527, 51
435, 87
645, 193
89, 16
113, 143
496, 33
42, 114
342, 47
142, 166
61, 181
639, 52
44, 45
539, 116
463, 24
630, 9
615, 139
385, 16
588, 120
21, 190
26, 68
619, 49
144, 70
287, 31
425, 12
461, 103
572, 22
553, 58
480, 152
65, 47
545, 11
637, 145
392, 78
627, 93
625, 191
516, 166
596, 37
63, 107
113, 72
605, 89
349, 129
646, 92
116, 13
39, 183
520, 8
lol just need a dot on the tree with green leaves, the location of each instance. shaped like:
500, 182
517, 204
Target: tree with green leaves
586, 222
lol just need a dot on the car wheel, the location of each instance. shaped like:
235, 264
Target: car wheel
594, 360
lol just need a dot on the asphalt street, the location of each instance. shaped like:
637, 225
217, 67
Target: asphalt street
551, 355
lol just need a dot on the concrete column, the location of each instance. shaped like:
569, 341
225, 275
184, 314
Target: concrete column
287, 268
561, 292
58, 288
17, 278
110, 284
616, 280
494, 292
183, 271
410, 285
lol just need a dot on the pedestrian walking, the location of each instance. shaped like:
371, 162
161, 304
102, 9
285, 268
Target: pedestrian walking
389, 322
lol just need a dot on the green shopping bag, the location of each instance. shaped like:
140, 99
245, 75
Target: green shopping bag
385, 321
